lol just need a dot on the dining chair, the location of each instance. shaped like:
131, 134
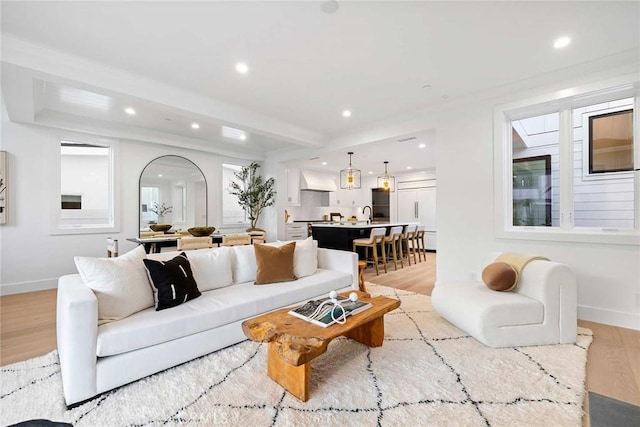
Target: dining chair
112, 247
236, 239
374, 241
188, 243
392, 244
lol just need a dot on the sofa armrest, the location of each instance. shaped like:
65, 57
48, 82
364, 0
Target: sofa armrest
77, 329
554, 285
344, 261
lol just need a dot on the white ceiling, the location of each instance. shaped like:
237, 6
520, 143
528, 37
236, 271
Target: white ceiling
381, 60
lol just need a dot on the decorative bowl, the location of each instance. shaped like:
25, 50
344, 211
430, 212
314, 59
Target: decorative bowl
201, 231
160, 227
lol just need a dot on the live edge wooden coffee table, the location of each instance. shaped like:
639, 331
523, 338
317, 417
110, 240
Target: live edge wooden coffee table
294, 343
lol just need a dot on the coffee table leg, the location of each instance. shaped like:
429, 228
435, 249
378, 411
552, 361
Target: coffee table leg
370, 334
295, 379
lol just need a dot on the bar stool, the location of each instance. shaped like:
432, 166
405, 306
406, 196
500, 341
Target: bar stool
392, 241
418, 243
408, 236
375, 241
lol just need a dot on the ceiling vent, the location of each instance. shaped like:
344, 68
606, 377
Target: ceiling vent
411, 138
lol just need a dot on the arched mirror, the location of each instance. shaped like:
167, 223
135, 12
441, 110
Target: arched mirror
173, 191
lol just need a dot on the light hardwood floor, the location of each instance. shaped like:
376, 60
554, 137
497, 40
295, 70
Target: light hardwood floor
27, 329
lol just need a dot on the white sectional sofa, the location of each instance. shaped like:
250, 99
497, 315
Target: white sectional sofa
541, 310
96, 358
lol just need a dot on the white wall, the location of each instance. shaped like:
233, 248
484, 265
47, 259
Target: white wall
608, 275
31, 258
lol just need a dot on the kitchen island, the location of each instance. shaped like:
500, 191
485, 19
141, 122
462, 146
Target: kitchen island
340, 235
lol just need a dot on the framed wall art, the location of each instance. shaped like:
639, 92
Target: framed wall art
3, 187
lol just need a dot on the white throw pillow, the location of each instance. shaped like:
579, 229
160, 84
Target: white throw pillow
212, 268
305, 256
120, 284
243, 263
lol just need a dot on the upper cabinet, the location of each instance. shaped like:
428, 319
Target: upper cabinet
345, 198
293, 187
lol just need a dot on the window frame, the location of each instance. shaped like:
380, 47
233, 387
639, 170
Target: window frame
587, 146
562, 101
224, 187
55, 225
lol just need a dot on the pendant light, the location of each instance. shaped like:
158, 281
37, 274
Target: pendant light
350, 176
387, 182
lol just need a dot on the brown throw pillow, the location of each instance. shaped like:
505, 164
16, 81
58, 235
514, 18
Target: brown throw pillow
500, 276
275, 264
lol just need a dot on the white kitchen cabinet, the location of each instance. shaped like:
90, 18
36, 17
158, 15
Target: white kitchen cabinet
293, 187
419, 205
296, 231
346, 198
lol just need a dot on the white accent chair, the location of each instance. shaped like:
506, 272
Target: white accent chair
541, 310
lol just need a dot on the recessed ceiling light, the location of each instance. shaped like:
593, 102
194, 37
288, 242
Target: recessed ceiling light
242, 68
159, 175
346, 113
324, 163
330, 6
409, 167
130, 111
195, 125
422, 145
561, 42
370, 172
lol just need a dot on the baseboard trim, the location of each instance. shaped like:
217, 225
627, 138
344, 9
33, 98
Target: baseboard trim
22, 287
609, 317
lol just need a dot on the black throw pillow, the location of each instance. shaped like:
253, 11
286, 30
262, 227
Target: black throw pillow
173, 280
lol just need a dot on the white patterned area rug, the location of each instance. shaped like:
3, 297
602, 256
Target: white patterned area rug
428, 372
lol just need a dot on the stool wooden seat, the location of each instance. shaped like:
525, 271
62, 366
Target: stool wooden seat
374, 241
361, 266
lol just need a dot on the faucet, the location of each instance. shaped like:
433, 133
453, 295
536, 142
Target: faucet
370, 212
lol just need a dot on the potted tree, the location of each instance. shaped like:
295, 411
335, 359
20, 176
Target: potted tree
254, 192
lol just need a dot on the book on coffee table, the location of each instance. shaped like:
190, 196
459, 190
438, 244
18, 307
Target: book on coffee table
329, 313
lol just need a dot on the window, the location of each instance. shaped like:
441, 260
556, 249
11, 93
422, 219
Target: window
611, 142
565, 166
84, 196
232, 213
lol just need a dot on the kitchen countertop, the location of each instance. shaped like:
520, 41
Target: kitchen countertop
357, 224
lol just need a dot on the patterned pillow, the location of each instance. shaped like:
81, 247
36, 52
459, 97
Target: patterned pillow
173, 280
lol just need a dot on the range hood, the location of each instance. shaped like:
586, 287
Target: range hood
316, 181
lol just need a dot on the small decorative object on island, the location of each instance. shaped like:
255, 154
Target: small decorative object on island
253, 191
201, 231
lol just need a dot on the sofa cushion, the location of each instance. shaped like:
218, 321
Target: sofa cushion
213, 309
120, 284
173, 280
211, 268
500, 276
274, 263
243, 264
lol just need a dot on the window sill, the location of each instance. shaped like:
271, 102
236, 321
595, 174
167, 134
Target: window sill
578, 235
